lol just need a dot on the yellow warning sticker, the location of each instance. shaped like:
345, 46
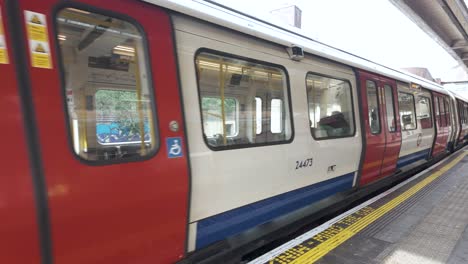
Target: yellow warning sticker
36, 26
37, 32
3, 47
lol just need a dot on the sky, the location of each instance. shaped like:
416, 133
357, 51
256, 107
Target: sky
373, 29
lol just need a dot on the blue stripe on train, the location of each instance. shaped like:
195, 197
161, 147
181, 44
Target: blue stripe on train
221, 226
408, 159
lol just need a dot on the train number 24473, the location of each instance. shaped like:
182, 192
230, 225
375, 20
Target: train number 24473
303, 163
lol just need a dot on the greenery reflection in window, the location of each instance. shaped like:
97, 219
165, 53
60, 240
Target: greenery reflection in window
117, 118
213, 117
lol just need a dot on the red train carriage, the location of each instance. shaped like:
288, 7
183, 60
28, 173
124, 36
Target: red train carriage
163, 131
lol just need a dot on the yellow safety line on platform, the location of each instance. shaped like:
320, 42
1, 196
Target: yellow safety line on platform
309, 252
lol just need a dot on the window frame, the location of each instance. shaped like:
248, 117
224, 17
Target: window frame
352, 105
393, 108
377, 94
414, 113
252, 60
55, 44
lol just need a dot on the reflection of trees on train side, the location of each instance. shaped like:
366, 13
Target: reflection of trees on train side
212, 114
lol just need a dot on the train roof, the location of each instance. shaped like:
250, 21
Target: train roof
285, 36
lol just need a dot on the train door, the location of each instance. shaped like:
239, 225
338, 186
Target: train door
441, 125
19, 224
105, 95
392, 133
448, 116
382, 137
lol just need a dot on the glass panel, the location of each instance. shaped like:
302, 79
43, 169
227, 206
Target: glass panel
389, 107
276, 116
243, 82
258, 114
407, 115
330, 107
437, 111
442, 112
447, 111
423, 111
108, 93
213, 118
373, 107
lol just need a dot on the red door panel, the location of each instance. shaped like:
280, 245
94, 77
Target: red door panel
383, 139
19, 240
392, 131
441, 125
372, 118
127, 212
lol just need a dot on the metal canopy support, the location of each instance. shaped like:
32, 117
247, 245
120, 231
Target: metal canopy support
445, 21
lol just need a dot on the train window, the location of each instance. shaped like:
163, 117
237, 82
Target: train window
407, 112
459, 112
465, 113
390, 108
330, 107
212, 114
437, 110
276, 116
107, 87
423, 111
462, 112
373, 107
238, 120
258, 115
447, 111
442, 121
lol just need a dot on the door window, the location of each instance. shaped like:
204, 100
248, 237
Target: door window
423, 111
442, 119
390, 108
407, 111
373, 107
447, 111
107, 86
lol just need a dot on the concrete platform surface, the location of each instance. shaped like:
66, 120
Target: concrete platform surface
422, 220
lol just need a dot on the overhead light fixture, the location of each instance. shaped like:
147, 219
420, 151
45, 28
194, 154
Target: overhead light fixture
78, 10
62, 37
124, 48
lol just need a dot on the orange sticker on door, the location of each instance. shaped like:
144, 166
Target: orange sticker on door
3, 47
36, 27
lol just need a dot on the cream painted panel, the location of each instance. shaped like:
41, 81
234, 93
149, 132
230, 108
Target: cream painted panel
224, 180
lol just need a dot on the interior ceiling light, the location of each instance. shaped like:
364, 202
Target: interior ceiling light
62, 37
78, 10
124, 48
